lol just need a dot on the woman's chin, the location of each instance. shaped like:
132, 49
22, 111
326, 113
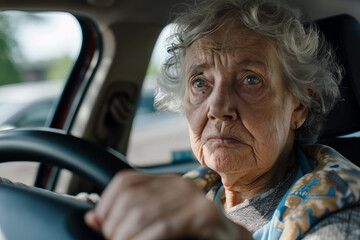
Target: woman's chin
229, 160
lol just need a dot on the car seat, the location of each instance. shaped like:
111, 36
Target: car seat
343, 32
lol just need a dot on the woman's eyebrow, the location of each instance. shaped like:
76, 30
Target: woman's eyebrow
250, 62
196, 68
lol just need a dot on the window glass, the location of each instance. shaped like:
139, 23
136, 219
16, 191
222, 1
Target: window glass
157, 137
37, 53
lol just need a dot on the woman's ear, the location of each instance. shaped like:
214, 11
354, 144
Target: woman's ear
300, 112
299, 116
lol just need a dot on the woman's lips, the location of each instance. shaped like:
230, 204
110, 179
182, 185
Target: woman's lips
224, 140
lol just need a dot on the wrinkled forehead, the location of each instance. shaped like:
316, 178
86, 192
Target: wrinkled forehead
232, 40
232, 33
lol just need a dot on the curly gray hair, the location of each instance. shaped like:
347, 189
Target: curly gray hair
311, 72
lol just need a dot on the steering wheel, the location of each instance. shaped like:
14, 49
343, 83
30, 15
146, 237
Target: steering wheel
29, 213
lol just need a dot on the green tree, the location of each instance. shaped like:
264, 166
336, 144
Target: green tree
59, 68
9, 49
8, 70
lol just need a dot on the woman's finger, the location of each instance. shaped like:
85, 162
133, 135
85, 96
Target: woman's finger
92, 220
120, 182
139, 206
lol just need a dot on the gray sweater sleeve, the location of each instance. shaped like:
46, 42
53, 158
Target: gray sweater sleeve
341, 225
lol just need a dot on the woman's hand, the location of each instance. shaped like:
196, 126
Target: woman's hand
138, 206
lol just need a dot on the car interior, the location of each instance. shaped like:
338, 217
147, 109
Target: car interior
90, 129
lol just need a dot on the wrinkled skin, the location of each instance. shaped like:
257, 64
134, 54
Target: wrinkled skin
241, 115
137, 206
241, 121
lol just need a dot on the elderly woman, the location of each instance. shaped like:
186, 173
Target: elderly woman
255, 86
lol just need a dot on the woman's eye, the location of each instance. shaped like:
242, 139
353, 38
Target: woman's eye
199, 83
251, 80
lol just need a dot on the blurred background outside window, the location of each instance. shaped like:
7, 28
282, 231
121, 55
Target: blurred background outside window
157, 138
37, 53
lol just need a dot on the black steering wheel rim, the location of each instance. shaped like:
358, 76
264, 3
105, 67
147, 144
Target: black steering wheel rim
54, 147
30, 213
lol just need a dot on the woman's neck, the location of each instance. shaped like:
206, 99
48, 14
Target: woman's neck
247, 187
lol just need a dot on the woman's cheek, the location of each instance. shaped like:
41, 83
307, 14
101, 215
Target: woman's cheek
196, 127
196, 114
252, 95
197, 119
198, 98
197, 147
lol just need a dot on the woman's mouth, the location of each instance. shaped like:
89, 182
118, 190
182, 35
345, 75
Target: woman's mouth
223, 140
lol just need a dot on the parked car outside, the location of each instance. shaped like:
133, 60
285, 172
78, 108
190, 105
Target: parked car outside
157, 138
28, 104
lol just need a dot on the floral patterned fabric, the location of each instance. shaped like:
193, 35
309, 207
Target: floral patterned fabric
326, 183
334, 184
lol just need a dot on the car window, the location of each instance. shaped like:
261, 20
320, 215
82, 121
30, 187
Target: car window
38, 51
157, 137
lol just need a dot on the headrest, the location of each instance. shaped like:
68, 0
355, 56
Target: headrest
343, 32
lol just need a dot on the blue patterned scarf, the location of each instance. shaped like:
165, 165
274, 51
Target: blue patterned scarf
326, 183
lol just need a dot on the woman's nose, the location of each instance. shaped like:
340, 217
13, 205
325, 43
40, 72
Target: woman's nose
222, 105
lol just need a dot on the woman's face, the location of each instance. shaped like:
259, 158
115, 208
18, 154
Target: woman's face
241, 115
